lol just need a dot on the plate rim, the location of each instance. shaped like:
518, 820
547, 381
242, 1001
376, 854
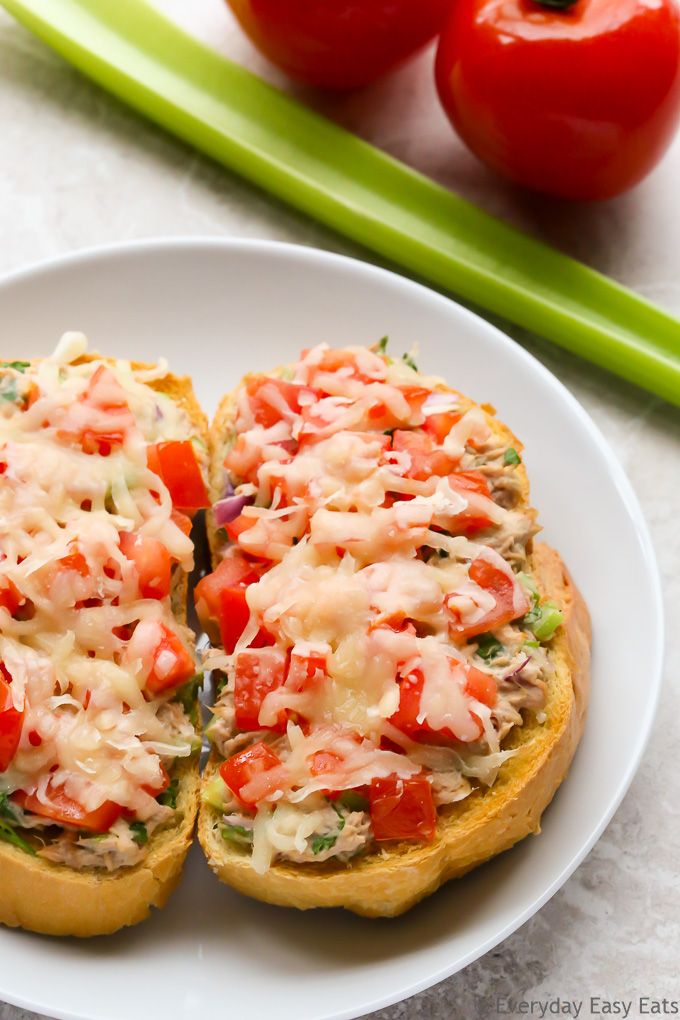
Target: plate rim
624, 487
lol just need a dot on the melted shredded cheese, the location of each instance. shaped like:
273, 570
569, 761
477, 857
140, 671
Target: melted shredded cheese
90, 728
368, 576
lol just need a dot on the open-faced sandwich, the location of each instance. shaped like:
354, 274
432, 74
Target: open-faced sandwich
101, 463
403, 672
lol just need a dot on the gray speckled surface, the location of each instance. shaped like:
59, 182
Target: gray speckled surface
78, 169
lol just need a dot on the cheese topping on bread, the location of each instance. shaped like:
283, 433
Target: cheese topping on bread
92, 657
381, 633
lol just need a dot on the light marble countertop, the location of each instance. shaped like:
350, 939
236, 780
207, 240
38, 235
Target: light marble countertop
79, 169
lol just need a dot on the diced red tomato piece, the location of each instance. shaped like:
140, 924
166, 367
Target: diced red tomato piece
439, 425
241, 768
267, 394
107, 397
478, 685
426, 459
233, 571
481, 686
240, 524
10, 596
156, 791
495, 581
305, 671
181, 520
257, 672
397, 623
105, 392
175, 463
152, 563
335, 359
11, 721
416, 396
402, 809
172, 663
406, 716
234, 616
470, 481
382, 416
323, 762
65, 811
76, 562
221, 597
463, 482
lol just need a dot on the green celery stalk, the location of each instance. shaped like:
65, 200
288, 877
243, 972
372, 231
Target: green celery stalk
322, 169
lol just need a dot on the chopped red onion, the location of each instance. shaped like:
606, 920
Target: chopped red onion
227, 510
518, 669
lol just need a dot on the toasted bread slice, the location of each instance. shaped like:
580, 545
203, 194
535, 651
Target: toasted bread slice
387, 882
54, 899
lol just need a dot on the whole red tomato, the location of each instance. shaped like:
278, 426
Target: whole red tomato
340, 44
575, 99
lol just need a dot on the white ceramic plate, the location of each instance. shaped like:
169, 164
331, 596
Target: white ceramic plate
217, 310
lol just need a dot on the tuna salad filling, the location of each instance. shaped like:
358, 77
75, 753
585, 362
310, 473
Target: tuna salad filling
377, 630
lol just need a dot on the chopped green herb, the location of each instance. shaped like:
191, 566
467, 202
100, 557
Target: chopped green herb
488, 647
220, 680
8, 389
409, 361
8, 823
341, 817
169, 797
9, 835
532, 644
353, 801
139, 833
381, 345
320, 843
511, 456
237, 834
18, 366
187, 696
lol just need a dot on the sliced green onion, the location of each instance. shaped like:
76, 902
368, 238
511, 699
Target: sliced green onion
139, 833
550, 617
488, 647
214, 792
237, 834
187, 696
